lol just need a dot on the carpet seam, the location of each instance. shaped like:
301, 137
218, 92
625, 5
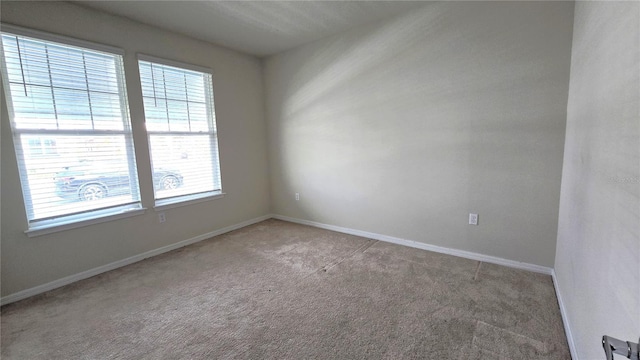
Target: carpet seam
360, 249
475, 277
363, 248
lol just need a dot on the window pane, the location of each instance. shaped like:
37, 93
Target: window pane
32, 69
101, 74
174, 83
56, 90
58, 84
70, 174
178, 115
106, 111
198, 116
147, 80
73, 109
155, 112
66, 67
33, 107
182, 165
196, 88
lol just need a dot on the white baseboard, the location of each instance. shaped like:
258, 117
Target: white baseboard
565, 318
120, 263
411, 243
419, 245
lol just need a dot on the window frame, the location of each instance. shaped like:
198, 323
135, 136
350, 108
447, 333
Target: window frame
72, 220
192, 198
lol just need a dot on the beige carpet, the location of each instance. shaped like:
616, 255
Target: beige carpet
277, 290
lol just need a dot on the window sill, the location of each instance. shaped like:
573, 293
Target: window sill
164, 204
74, 223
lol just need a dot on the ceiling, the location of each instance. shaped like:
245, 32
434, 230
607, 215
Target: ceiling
258, 28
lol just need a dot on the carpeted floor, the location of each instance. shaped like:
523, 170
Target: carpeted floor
277, 290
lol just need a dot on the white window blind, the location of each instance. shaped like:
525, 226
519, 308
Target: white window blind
72, 134
180, 121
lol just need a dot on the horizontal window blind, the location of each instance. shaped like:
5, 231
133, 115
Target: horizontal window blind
71, 126
180, 121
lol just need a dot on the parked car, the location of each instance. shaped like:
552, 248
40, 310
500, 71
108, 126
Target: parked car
93, 181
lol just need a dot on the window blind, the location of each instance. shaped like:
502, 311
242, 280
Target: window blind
71, 127
180, 121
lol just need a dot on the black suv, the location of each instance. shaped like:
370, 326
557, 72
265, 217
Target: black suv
93, 181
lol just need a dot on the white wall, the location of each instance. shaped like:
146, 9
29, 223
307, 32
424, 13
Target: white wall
405, 126
598, 250
28, 262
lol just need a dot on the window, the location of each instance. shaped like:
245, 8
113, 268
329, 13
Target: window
180, 121
42, 146
70, 119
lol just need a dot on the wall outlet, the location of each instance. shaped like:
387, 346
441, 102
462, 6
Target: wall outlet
297, 196
473, 219
161, 217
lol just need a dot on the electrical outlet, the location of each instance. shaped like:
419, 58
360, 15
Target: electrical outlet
473, 219
297, 196
161, 217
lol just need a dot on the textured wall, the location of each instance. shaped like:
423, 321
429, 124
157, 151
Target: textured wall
405, 126
598, 254
28, 262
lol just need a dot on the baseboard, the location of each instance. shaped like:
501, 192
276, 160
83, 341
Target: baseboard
419, 245
565, 318
411, 243
120, 263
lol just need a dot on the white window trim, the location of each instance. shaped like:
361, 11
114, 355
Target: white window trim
17, 30
178, 64
81, 220
184, 200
